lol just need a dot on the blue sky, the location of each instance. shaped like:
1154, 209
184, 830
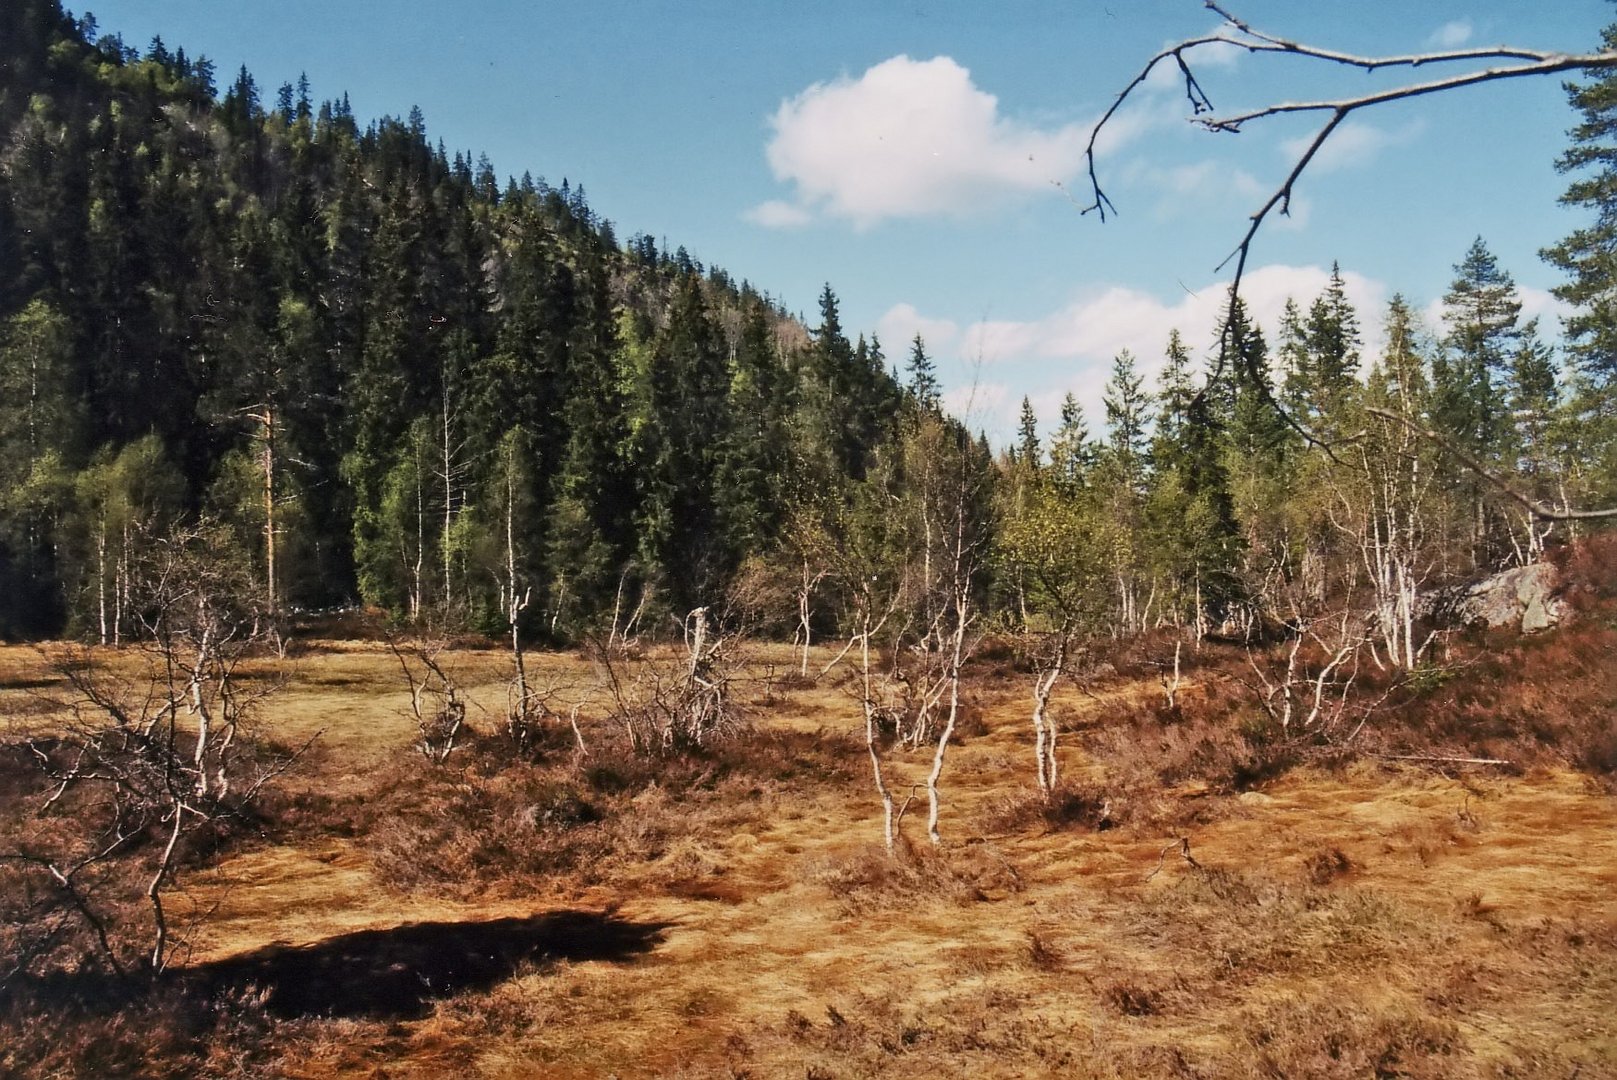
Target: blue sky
910, 153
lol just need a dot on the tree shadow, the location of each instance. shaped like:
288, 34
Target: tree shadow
397, 973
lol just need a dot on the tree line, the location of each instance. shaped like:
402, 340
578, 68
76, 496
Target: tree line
378, 374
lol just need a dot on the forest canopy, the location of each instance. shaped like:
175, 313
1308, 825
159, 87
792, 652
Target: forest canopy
389, 378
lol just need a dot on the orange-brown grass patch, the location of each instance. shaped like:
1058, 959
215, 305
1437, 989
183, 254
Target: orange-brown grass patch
1362, 919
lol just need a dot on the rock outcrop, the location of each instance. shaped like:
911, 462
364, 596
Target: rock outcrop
1523, 597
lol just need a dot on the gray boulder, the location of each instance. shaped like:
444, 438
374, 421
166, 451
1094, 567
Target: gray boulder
1522, 597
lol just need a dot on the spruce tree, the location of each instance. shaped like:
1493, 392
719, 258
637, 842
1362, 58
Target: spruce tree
1298, 382
1127, 403
1332, 335
1071, 455
1174, 387
1028, 454
923, 376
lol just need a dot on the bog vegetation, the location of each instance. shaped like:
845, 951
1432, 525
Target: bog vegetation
704, 653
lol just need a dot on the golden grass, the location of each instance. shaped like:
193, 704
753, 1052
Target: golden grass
1367, 921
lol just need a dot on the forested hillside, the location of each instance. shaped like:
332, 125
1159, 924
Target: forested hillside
367, 360
366, 370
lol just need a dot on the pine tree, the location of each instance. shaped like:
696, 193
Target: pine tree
1587, 256
1469, 385
1588, 253
1481, 308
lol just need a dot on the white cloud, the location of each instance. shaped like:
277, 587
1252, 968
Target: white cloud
1350, 145
776, 214
1218, 54
1071, 349
981, 405
1544, 306
1099, 323
908, 138
1451, 35
1194, 189
902, 322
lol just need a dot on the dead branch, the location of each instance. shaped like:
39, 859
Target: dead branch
1513, 63
1183, 844
1533, 506
436, 703
1445, 759
1241, 35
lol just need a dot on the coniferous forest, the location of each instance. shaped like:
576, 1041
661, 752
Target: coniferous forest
376, 373
364, 360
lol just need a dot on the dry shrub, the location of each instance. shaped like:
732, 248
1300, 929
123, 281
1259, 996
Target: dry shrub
1214, 735
1540, 700
1044, 954
1132, 999
1588, 570
79, 1026
1224, 922
997, 656
788, 681
1328, 1040
507, 824
872, 880
462, 837
1070, 806
1326, 865
969, 723
102, 922
966, 1033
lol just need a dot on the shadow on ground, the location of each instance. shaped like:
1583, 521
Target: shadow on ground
397, 973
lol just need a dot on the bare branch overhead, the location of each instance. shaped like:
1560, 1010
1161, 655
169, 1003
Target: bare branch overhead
1504, 62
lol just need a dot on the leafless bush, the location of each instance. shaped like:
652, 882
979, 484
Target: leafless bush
436, 702
157, 756
1312, 688
668, 701
1066, 807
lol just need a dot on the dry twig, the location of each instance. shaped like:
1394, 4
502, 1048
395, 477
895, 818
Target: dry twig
1499, 63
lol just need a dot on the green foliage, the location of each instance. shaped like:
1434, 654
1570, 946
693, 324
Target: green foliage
1056, 543
279, 294
1586, 255
418, 388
